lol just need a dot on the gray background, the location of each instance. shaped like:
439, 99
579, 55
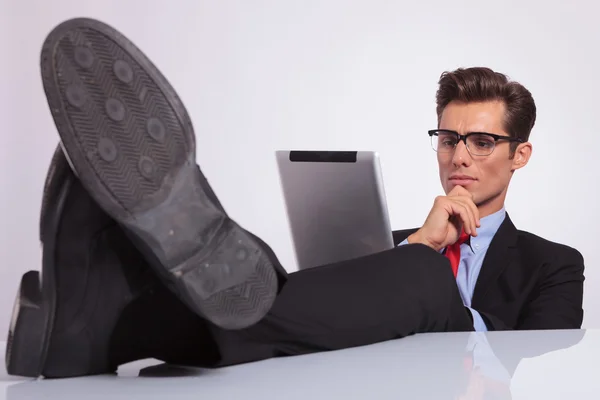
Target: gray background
263, 75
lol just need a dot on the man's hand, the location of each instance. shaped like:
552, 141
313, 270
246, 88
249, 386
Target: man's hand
447, 218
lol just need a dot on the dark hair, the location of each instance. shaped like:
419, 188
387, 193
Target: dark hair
479, 84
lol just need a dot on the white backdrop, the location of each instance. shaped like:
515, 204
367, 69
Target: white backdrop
262, 75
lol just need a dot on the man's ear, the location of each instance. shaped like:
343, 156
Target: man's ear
522, 155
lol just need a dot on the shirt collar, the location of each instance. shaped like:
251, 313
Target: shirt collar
489, 226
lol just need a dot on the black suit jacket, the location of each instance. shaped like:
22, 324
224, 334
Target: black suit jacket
526, 282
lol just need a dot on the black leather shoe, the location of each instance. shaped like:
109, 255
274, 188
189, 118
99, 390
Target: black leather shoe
63, 317
131, 143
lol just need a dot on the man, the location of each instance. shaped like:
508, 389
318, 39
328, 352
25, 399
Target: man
525, 282
141, 260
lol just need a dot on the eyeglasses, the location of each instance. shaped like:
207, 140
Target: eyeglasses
477, 143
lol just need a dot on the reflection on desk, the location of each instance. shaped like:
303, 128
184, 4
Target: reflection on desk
426, 366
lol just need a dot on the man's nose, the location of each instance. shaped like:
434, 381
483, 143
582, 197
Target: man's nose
461, 154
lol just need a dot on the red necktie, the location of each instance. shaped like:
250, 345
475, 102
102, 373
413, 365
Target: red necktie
453, 252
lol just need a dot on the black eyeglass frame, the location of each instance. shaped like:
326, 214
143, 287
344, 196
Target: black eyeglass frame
463, 138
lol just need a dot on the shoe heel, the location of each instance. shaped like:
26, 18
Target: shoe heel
26, 337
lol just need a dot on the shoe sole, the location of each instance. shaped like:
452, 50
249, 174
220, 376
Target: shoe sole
131, 143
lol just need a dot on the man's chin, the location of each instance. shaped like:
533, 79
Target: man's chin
468, 186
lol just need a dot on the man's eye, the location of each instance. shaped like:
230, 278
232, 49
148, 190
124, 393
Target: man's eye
484, 143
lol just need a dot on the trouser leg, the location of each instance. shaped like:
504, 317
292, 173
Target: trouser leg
389, 295
385, 296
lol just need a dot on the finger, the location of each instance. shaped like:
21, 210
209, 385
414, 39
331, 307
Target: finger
461, 192
468, 201
466, 218
457, 191
466, 215
470, 226
475, 212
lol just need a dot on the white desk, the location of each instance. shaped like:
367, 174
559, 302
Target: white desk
520, 365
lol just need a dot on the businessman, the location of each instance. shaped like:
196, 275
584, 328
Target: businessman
141, 260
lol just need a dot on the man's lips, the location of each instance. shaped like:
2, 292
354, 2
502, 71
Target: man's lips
461, 179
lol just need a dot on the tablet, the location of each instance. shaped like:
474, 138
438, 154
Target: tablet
335, 203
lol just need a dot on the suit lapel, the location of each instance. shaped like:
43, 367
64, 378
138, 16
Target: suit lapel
499, 256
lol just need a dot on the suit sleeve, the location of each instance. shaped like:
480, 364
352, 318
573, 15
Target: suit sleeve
557, 302
478, 322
